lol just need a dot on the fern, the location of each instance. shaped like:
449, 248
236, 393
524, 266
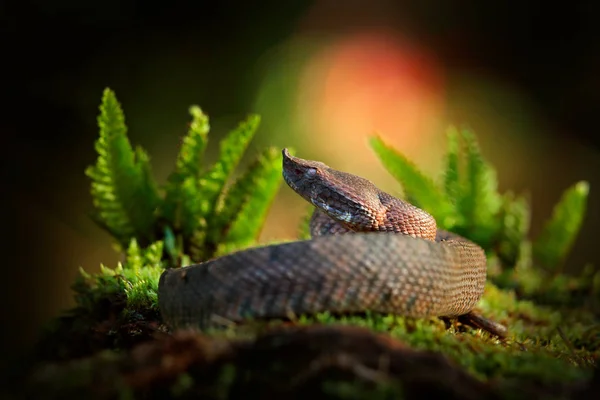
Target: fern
196, 214
418, 188
263, 178
451, 173
560, 231
180, 205
514, 219
467, 202
232, 149
212, 183
123, 190
478, 201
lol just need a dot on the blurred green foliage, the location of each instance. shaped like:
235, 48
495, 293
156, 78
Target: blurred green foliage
555, 241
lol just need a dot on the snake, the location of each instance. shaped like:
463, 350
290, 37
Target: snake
368, 252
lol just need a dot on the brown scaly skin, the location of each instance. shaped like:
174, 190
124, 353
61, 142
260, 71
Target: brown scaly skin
369, 251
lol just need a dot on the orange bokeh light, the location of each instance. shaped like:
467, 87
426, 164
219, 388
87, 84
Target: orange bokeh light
372, 82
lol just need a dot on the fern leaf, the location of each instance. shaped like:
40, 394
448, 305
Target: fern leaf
134, 256
419, 189
153, 253
146, 197
212, 183
248, 201
124, 193
191, 206
237, 196
188, 166
560, 231
189, 161
515, 217
451, 173
480, 202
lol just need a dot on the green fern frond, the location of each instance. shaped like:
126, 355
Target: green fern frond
123, 190
199, 209
212, 184
247, 203
179, 206
237, 196
451, 172
232, 149
152, 254
134, 256
469, 203
479, 202
515, 218
190, 218
560, 231
138, 257
498, 223
419, 189
189, 160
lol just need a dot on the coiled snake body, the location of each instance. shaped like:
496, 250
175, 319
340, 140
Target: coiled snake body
369, 251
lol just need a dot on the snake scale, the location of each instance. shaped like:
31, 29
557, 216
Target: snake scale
369, 251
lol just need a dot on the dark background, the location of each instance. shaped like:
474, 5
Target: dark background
58, 56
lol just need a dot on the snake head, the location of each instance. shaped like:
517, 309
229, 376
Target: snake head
301, 175
347, 198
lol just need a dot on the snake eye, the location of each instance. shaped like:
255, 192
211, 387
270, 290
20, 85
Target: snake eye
311, 172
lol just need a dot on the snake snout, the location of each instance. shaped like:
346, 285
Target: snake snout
294, 172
